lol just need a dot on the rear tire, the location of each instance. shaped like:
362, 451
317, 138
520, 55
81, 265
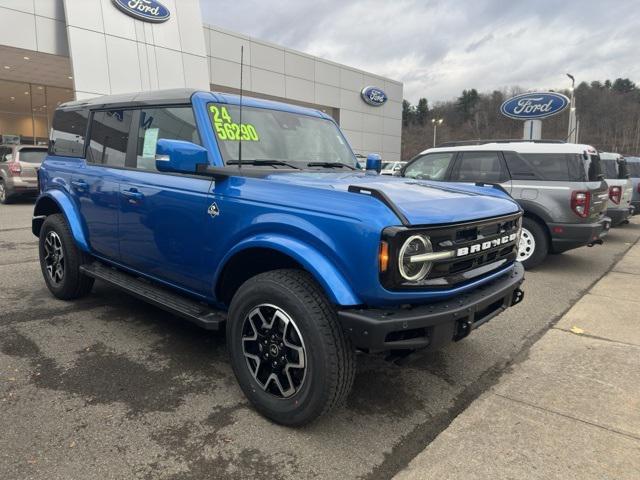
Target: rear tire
534, 244
284, 316
60, 260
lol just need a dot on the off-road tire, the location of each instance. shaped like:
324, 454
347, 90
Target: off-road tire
73, 284
541, 239
330, 356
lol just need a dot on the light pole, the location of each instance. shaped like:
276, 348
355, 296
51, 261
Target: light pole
435, 128
572, 129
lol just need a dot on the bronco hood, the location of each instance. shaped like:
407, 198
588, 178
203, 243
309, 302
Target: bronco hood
421, 202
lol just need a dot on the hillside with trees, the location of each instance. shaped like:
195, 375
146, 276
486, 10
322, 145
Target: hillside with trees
608, 112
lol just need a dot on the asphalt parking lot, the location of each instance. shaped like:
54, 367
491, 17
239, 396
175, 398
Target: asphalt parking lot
109, 387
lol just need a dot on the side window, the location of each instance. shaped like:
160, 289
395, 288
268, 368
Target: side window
519, 168
3, 154
68, 132
478, 167
432, 166
109, 137
173, 123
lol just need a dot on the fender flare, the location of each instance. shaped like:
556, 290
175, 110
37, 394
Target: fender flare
324, 271
536, 209
68, 208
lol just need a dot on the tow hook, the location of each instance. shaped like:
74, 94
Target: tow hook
595, 242
518, 295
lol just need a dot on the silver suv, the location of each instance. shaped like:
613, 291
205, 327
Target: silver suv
559, 186
616, 174
633, 164
19, 166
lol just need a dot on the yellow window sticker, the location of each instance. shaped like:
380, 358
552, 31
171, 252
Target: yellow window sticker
228, 130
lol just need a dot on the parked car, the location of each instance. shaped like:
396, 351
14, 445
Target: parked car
19, 166
558, 185
299, 255
616, 174
389, 168
633, 164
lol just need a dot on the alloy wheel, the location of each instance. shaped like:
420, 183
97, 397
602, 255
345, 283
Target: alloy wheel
54, 257
274, 350
527, 245
3, 192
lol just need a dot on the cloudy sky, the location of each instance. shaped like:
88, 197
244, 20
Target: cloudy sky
439, 47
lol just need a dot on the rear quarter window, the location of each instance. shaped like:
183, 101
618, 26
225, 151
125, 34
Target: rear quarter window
568, 167
609, 168
68, 133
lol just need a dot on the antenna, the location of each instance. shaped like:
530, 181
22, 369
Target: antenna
240, 132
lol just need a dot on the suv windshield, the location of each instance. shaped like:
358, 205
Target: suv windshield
278, 136
32, 155
634, 169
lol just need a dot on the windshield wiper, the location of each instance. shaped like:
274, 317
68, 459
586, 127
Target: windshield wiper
263, 162
330, 165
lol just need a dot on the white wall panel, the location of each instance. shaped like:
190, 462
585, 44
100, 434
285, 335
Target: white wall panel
117, 24
350, 120
50, 9
393, 91
51, 36
391, 143
18, 29
25, 6
227, 74
89, 61
299, 89
300, 66
267, 57
265, 81
170, 71
351, 79
355, 138
373, 123
327, 73
227, 47
191, 37
351, 100
124, 65
196, 71
327, 95
85, 14
371, 142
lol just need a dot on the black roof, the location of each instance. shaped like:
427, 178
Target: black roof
173, 96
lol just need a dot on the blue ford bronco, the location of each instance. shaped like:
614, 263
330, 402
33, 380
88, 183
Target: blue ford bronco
254, 216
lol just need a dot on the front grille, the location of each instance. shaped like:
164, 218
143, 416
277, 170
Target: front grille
479, 248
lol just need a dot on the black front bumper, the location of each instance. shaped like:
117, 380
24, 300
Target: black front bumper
566, 236
434, 325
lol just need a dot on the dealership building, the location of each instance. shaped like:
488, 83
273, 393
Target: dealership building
53, 51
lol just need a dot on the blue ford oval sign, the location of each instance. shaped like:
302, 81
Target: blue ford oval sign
145, 10
529, 106
373, 96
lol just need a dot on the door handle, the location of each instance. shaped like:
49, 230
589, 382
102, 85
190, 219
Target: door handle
133, 195
79, 185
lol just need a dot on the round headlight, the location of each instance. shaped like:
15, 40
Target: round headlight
415, 245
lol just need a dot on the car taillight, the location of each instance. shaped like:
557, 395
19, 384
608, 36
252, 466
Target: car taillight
615, 194
15, 169
580, 203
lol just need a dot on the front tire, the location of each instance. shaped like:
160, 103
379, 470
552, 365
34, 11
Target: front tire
534, 244
60, 260
288, 351
5, 197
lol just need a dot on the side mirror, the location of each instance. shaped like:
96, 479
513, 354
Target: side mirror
179, 156
374, 163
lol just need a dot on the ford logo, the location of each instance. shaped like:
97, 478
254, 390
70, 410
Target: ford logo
529, 106
145, 10
373, 96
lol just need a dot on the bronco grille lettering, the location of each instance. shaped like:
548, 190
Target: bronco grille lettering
480, 247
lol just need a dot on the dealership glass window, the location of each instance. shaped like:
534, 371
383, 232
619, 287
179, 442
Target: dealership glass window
432, 166
173, 123
26, 110
68, 133
109, 137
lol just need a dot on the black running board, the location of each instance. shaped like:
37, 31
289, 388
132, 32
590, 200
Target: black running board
199, 313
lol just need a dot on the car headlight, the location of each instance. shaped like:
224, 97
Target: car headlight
411, 266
